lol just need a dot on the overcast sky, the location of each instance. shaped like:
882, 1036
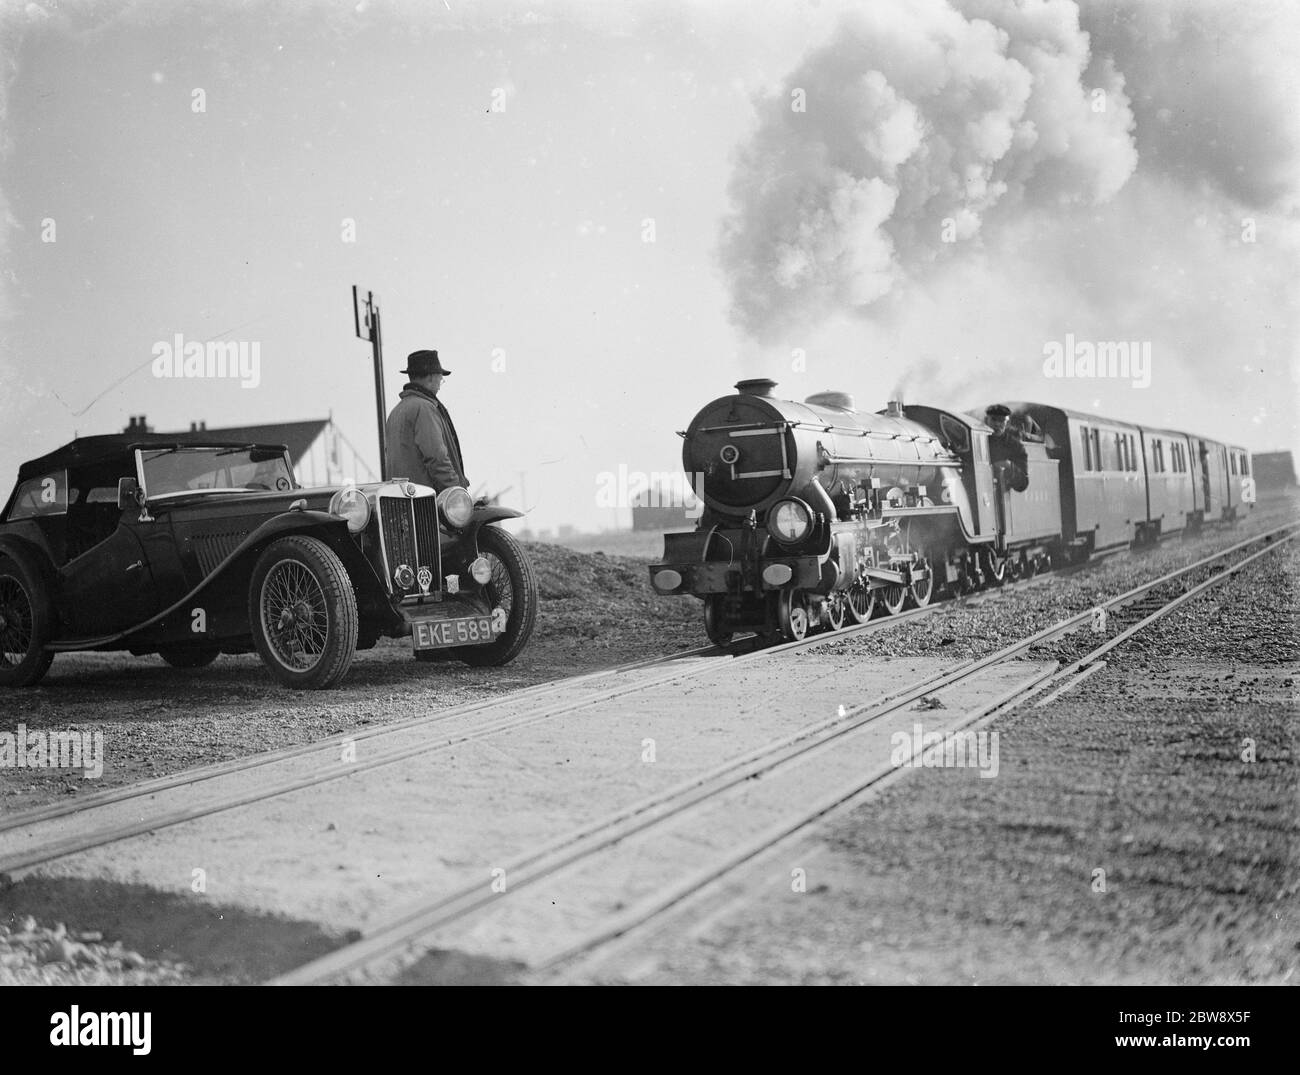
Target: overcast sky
604, 215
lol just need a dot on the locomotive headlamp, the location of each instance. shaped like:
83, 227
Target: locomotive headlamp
777, 574
789, 521
456, 506
352, 505
667, 580
729, 454
481, 570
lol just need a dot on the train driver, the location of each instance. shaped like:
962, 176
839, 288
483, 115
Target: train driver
1007, 451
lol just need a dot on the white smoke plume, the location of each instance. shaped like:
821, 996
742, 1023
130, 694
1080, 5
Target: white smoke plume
904, 139
1213, 91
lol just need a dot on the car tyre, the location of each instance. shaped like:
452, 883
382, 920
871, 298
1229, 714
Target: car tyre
26, 621
512, 582
303, 612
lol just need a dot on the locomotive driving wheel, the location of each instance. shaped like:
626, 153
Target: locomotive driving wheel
860, 601
791, 616
832, 613
715, 620
923, 589
894, 597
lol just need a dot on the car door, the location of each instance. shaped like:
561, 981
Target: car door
109, 587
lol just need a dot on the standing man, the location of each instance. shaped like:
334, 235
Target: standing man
1006, 450
422, 442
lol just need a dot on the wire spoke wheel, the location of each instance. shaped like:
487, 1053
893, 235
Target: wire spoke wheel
511, 595
26, 620
294, 615
17, 628
304, 612
499, 589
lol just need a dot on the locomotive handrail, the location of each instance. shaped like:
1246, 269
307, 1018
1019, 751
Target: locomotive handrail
894, 462
854, 431
783, 424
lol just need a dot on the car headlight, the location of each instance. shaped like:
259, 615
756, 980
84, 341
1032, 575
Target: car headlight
789, 521
352, 505
456, 506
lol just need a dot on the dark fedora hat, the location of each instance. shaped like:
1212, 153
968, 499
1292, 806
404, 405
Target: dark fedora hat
423, 363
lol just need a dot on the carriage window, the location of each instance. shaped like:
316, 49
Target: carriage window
1087, 448
1245, 463
1232, 462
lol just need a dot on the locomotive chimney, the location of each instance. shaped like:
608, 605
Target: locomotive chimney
894, 408
756, 386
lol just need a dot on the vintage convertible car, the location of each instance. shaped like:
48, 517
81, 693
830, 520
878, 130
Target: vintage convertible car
136, 542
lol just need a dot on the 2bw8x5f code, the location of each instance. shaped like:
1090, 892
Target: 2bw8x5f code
1150, 1018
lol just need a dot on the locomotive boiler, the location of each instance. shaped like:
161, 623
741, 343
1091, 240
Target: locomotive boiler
813, 511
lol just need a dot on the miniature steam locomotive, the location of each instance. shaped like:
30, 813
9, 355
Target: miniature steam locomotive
816, 513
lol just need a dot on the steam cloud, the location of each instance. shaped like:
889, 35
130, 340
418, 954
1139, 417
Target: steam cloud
930, 127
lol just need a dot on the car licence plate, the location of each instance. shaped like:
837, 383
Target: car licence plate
466, 631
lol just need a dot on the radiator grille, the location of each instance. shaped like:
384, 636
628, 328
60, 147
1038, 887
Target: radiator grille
426, 533
399, 532
211, 549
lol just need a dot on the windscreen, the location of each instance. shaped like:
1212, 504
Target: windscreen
169, 471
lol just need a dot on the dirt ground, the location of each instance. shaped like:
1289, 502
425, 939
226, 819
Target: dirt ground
595, 611
1143, 829
947, 877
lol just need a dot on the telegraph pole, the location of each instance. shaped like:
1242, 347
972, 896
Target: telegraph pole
365, 319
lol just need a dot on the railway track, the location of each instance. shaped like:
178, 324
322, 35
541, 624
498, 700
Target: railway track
744, 645
121, 813
645, 844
